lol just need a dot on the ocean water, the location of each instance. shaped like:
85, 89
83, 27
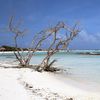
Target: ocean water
79, 66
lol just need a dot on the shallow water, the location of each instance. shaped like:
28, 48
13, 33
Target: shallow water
80, 67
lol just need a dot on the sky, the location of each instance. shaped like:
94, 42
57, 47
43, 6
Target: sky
37, 15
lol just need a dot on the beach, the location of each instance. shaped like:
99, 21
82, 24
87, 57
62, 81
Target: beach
50, 50
28, 84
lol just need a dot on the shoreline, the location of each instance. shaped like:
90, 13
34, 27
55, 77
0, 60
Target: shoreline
47, 82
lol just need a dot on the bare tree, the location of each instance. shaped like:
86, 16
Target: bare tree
57, 43
38, 38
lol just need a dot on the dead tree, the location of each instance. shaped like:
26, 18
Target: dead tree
38, 38
58, 43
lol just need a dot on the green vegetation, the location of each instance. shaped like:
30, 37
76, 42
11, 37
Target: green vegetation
10, 48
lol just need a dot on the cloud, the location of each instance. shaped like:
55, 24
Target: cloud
89, 38
86, 40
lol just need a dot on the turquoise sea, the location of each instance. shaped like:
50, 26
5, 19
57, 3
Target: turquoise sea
80, 66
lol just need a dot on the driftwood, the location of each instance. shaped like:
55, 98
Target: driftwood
38, 38
58, 43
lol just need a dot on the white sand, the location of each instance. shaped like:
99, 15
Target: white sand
13, 82
10, 89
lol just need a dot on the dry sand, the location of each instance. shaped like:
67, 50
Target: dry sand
27, 84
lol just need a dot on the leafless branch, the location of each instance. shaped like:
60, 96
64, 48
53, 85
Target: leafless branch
58, 43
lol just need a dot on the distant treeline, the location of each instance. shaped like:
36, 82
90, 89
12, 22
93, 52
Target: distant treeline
11, 48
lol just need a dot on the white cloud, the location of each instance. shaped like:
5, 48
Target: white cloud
87, 37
